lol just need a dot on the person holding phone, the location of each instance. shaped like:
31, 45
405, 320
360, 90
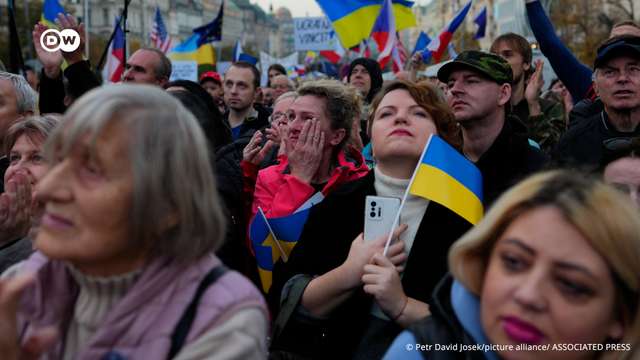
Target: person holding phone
350, 278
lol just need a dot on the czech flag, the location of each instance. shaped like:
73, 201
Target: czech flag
438, 45
384, 32
353, 19
448, 178
114, 67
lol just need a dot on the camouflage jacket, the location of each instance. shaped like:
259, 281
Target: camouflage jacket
546, 128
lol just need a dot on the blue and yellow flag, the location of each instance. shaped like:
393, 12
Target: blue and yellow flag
448, 178
274, 239
50, 11
353, 19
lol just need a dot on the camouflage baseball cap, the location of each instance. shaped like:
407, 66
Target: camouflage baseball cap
490, 65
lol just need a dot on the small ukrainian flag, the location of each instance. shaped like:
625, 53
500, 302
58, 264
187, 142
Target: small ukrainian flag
448, 178
50, 11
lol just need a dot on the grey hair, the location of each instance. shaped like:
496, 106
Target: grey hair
175, 209
163, 68
287, 95
26, 97
37, 126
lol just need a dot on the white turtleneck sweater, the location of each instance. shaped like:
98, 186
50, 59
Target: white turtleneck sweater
414, 207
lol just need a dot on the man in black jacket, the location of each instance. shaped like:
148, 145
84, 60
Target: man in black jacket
479, 93
617, 83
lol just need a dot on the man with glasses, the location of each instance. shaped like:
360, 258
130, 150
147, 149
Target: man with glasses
617, 82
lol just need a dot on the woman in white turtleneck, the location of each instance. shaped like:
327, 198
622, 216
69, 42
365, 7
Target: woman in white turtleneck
352, 276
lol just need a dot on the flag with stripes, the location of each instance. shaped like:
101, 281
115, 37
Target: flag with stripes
159, 36
399, 55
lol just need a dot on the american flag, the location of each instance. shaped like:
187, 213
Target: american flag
399, 55
159, 36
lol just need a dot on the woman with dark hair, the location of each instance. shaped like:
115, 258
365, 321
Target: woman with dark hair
275, 70
209, 117
356, 297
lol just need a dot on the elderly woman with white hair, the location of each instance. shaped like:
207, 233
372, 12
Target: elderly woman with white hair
125, 266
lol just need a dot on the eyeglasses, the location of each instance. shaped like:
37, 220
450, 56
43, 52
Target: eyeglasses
622, 144
278, 117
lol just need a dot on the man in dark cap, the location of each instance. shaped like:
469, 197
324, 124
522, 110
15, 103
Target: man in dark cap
616, 77
479, 93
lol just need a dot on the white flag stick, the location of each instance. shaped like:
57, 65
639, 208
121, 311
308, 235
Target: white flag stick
275, 239
404, 198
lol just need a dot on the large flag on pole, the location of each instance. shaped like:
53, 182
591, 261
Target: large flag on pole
114, 66
438, 45
384, 32
198, 46
448, 178
353, 19
159, 36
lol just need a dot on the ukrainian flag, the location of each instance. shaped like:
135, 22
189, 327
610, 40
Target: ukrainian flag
448, 178
353, 19
274, 239
50, 11
189, 50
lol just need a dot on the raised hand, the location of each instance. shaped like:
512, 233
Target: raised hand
253, 152
305, 156
38, 341
67, 21
51, 61
15, 208
535, 84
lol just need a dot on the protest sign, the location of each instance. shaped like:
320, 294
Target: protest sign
313, 33
184, 70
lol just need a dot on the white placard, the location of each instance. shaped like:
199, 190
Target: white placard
313, 33
184, 70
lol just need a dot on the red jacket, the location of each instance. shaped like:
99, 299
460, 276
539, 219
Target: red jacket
279, 193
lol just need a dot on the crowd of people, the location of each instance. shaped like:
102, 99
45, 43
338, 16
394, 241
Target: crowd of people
125, 209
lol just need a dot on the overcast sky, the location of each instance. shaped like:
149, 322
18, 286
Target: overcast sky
300, 8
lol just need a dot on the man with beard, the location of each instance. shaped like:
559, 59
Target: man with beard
617, 83
543, 118
479, 94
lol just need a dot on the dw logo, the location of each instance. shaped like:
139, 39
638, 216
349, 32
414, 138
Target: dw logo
67, 40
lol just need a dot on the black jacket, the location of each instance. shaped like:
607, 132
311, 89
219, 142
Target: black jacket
325, 244
509, 160
443, 327
52, 91
582, 146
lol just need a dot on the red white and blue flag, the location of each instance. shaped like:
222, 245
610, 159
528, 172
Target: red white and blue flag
160, 38
399, 55
114, 66
438, 45
383, 32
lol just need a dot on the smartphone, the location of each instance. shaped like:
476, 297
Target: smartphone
379, 213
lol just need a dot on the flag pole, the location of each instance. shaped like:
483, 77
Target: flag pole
87, 21
404, 198
275, 239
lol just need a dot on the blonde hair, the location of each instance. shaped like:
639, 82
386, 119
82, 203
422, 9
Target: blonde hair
605, 217
175, 205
